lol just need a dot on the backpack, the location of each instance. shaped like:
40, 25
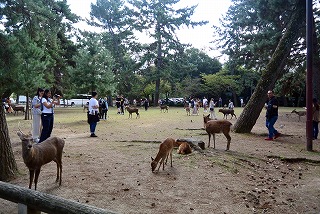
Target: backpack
103, 104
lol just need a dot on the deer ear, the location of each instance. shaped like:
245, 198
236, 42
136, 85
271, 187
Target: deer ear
152, 159
21, 135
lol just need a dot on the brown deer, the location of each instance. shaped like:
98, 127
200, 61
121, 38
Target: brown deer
217, 126
37, 155
299, 113
188, 110
165, 150
133, 110
226, 112
17, 108
184, 148
164, 108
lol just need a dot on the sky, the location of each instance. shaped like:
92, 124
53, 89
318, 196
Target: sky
199, 37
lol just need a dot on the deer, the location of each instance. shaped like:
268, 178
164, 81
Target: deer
17, 108
213, 127
188, 110
226, 112
164, 108
36, 155
165, 150
299, 113
184, 148
133, 110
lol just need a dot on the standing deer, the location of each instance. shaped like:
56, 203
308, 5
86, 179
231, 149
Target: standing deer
37, 155
164, 108
132, 110
165, 150
299, 113
217, 126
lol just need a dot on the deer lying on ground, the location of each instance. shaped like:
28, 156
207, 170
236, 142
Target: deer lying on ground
164, 108
217, 126
37, 155
165, 150
226, 112
133, 110
184, 148
300, 113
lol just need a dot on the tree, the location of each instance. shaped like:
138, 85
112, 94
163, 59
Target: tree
274, 70
31, 31
117, 23
161, 20
93, 70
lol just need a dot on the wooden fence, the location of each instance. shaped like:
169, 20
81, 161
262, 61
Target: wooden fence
37, 201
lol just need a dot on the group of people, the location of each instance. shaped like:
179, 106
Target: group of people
43, 114
7, 105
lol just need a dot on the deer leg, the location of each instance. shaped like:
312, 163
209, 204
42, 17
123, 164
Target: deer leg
58, 171
229, 140
171, 157
60, 164
214, 140
37, 172
31, 176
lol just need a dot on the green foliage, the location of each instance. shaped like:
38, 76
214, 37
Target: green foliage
93, 69
219, 83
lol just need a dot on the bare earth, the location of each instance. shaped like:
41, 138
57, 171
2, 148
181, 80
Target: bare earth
113, 171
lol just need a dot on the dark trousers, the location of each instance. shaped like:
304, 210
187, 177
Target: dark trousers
315, 128
270, 125
47, 126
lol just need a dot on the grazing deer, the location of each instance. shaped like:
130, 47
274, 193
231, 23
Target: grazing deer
217, 126
165, 150
164, 108
37, 155
299, 113
133, 110
226, 112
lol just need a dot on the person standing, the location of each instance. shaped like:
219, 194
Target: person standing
272, 116
211, 108
315, 119
122, 104
230, 105
220, 102
118, 100
205, 104
47, 116
104, 107
241, 102
146, 104
36, 115
93, 114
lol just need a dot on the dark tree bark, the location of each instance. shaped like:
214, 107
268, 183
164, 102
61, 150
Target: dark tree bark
274, 70
8, 166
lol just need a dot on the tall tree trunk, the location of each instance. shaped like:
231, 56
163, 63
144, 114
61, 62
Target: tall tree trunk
8, 166
159, 67
273, 72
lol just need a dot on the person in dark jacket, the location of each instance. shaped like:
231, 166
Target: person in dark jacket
272, 116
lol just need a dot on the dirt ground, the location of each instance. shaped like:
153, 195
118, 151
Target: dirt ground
113, 171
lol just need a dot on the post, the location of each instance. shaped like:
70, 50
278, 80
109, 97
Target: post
309, 74
37, 201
